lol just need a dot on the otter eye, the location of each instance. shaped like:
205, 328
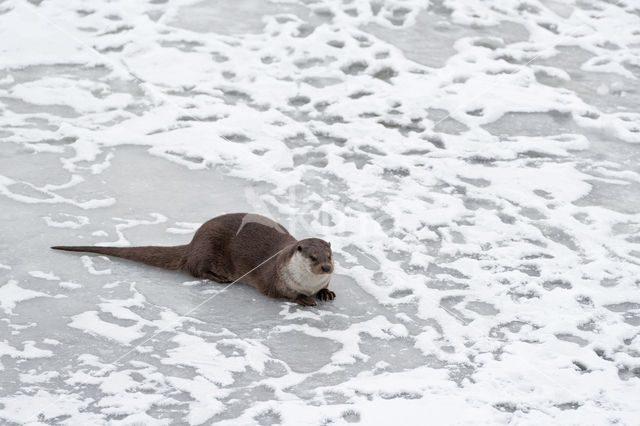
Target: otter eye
313, 258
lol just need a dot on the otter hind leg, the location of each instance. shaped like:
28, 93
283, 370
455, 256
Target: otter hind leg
325, 294
303, 300
210, 275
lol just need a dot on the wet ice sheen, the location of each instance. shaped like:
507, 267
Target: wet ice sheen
475, 166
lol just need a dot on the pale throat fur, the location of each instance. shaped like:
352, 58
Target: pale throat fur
299, 276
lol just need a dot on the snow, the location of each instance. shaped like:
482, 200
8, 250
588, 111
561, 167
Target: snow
11, 294
475, 165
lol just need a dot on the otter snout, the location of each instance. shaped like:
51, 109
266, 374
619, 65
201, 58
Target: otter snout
318, 255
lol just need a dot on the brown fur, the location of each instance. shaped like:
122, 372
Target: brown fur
227, 248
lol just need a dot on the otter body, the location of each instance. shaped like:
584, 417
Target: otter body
247, 247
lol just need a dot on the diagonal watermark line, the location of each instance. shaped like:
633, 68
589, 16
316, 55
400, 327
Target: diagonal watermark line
194, 308
162, 330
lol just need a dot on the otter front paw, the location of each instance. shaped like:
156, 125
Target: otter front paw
304, 300
325, 294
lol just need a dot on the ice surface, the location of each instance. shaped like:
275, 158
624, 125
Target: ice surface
476, 166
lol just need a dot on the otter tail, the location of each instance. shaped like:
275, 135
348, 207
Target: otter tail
163, 257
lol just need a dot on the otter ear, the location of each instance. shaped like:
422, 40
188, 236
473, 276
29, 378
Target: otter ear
328, 242
299, 248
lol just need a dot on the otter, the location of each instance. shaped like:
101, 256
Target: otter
247, 247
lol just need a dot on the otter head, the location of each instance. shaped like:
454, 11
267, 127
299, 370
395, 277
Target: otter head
318, 253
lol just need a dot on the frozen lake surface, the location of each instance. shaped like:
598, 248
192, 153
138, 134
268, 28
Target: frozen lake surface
475, 165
